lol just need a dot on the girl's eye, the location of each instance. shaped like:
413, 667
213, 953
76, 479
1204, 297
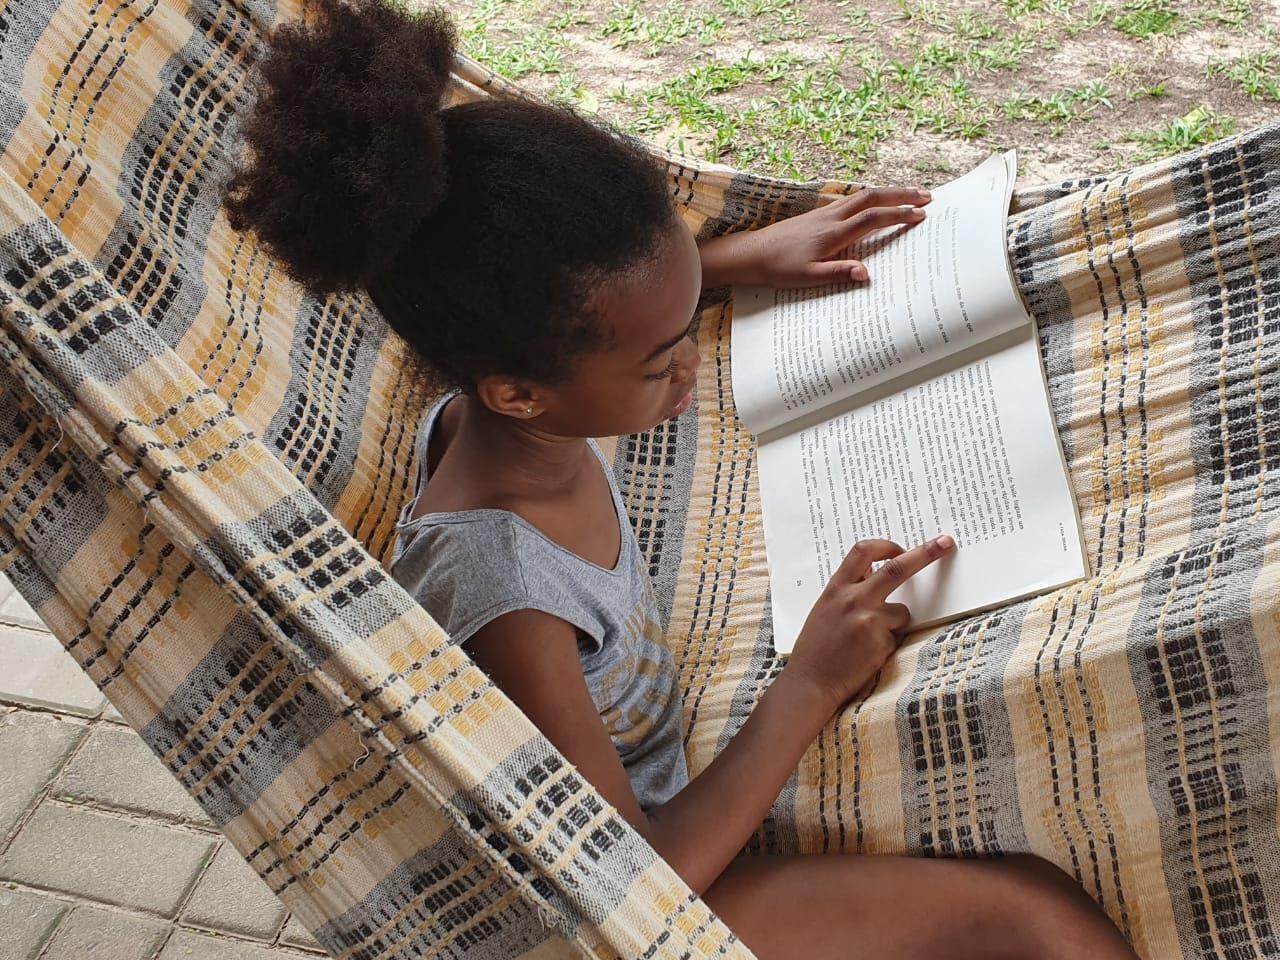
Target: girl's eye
670, 369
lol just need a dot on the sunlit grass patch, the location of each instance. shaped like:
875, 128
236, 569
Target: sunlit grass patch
1087, 19
685, 106
1064, 80
1147, 18
1200, 126
1231, 13
1021, 8
1257, 74
770, 21
1155, 91
1060, 109
540, 51
1006, 54
627, 25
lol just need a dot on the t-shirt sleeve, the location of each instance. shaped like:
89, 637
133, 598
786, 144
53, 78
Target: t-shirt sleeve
468, 576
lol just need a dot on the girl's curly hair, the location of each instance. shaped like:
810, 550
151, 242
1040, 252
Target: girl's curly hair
480, 230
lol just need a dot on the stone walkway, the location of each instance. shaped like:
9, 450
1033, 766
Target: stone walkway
103, 856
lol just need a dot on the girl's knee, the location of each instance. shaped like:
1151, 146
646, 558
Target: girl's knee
1042, 876
1052, 916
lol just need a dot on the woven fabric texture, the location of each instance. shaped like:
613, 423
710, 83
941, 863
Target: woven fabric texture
200, 468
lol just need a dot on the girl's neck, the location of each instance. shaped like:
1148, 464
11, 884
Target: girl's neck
532, 462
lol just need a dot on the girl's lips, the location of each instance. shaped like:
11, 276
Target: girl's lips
685, 402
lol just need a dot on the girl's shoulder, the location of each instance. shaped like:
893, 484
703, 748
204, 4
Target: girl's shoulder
469, 568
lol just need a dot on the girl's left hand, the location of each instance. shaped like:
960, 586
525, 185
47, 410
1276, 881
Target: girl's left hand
798, 252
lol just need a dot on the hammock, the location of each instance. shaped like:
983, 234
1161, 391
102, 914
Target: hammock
200, 468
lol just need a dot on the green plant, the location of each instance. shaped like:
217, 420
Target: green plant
626, 25
1093, 93
1020, 8
780, 11
924, 11
1005, 55
539, 51
1147, 18
937, 165
1230, 13
1198, 127
1156, 90
1123, 72
1086, 20
970, 26
935, 66
570, 91
571, 17
1256, 75
858, 18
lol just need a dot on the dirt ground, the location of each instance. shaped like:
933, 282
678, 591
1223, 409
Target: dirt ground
912, 91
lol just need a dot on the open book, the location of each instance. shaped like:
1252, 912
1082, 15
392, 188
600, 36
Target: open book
906, 407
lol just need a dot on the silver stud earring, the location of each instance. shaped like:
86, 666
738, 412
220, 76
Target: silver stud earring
528, 410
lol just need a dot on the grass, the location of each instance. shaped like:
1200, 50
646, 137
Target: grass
540, 51
1148, 18
1235, 14
840, 88
1155, 90
1257, 74
629, 26
770, 21
1199, 127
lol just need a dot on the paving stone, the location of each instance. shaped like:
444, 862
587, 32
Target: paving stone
95, 855
34, 669
13, 609
189, 945
26, 920
94, 934
295, 934
117, 769
109, 712
32, 747
231, 897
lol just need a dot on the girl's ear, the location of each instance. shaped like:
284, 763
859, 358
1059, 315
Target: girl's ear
511, 398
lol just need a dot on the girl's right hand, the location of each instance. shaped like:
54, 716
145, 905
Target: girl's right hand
851, 631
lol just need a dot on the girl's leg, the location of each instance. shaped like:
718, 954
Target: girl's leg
845, 906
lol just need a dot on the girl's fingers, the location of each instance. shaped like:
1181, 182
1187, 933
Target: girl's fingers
897, 615
877, 218
836, 271
857, 562
869, 197
900, 568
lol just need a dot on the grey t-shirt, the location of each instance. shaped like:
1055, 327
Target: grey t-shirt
468, 567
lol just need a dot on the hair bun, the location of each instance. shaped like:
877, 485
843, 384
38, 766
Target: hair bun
347, 146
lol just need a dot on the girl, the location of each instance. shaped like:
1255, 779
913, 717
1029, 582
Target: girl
534, 260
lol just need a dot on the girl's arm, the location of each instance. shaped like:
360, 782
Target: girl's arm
799, 251
703, 827
533, 657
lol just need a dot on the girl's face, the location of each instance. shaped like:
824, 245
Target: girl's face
645, 372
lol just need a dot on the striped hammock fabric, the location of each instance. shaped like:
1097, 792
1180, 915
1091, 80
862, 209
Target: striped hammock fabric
200, 468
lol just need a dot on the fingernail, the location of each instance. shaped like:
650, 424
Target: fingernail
858, 272
944, 542
926, 194
917, 213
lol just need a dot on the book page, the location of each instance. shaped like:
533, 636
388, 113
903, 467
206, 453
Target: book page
971, 451
935, 288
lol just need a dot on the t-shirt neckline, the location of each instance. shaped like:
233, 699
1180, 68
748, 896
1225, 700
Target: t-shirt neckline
409, 523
